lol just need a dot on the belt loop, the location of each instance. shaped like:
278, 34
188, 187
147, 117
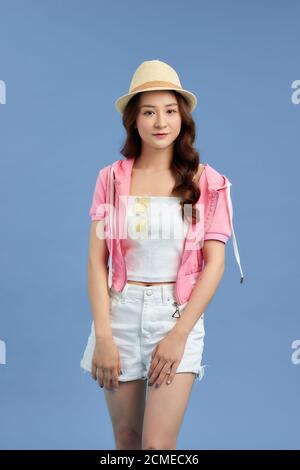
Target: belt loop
163, 294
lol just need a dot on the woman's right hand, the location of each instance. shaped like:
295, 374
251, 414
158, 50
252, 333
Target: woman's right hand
106, 361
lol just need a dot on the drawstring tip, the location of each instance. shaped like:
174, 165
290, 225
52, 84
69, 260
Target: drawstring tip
242, 279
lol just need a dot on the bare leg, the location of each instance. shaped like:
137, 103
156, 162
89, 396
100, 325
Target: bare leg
126, 407
165, 410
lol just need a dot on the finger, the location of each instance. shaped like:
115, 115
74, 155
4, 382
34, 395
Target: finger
94, 371
107, 377
156, 372
172, 372
152, 373
100, 377
153, 365
163, 373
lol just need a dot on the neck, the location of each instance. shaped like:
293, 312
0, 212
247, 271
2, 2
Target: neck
154, 162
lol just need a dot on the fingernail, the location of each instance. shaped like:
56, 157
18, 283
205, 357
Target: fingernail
150, 385
157, 385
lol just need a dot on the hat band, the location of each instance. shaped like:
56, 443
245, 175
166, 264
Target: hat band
155, 83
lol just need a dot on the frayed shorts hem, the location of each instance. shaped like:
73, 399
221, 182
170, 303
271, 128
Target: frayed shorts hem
138, 375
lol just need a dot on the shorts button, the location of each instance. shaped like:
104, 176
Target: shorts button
149, 292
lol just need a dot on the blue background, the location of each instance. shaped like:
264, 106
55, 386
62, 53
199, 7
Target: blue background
64, 64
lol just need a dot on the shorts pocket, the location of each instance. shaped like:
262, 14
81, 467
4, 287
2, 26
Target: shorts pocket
115, 298
129, 297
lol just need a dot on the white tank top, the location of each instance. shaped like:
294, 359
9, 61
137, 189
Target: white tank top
155, 238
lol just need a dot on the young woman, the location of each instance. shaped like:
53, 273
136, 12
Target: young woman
148, 308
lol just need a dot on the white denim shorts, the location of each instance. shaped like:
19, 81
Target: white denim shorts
140, 317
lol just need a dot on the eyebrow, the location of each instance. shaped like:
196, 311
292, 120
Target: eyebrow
151, 105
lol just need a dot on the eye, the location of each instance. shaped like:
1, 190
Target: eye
172, 111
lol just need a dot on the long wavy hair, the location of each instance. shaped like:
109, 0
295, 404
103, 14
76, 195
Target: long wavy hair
185, 161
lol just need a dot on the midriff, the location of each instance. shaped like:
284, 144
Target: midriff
140, 283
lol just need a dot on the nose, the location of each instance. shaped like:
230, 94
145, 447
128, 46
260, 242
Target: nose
160, 121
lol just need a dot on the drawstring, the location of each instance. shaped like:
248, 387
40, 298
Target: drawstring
235, 247
111, 194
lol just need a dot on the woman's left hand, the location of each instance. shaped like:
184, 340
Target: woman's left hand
166, 358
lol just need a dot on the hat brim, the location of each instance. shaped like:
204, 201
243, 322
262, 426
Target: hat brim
121, 102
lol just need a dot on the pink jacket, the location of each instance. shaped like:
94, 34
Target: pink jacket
216, 214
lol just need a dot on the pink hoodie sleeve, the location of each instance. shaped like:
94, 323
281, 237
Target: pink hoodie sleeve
220, 227
98, 207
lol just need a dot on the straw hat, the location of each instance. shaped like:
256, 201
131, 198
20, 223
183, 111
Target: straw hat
154, 75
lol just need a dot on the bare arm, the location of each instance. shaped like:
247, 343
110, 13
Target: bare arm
98, 280
206, 286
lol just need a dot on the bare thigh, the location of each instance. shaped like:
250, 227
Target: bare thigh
164, 411
126, 407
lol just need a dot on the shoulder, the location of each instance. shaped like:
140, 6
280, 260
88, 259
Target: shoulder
197, 176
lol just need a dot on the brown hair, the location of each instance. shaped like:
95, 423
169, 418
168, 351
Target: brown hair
185, 161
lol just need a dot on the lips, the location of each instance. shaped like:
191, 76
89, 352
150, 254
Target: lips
160, 134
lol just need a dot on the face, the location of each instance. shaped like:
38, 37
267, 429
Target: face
158, 113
